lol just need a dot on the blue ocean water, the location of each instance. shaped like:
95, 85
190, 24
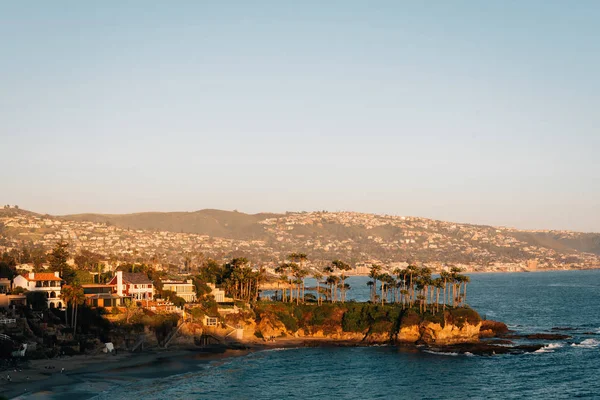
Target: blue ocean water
527, 302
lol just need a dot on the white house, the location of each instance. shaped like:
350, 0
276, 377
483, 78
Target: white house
219, 294
47, 282
135, 285
186, 290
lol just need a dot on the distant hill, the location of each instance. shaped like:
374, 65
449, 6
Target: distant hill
226, 224
269, 237
241, 226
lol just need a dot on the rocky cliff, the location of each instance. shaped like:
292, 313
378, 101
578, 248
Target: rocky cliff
366, 323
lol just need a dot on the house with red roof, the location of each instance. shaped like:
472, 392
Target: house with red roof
47, 282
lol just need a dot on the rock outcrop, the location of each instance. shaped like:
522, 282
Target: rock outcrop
368, 323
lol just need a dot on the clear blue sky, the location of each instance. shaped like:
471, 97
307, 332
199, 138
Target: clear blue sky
470, 111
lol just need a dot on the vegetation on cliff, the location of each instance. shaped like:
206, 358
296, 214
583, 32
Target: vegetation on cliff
369, 320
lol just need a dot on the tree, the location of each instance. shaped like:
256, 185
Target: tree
342, 266
73, 296
373, 274
318, 276
332, 281
87, 260
282, 269
173, 298
131, 309
300, 259
37, 300
58, 262
455, 280
445, 277
7, 271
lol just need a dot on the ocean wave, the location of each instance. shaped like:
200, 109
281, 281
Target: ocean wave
549, 348
441, 353
587, 344
277, 349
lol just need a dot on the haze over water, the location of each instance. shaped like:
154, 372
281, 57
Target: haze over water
527, 302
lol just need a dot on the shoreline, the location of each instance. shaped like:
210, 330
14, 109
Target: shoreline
86, 376
44, 375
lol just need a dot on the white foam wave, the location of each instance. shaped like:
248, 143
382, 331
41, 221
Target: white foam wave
441, 353
469, 354
277, 349
587, 344
549, 348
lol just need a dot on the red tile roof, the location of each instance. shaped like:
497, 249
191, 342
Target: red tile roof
42, 276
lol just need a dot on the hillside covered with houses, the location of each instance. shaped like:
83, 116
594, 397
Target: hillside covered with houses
265, 239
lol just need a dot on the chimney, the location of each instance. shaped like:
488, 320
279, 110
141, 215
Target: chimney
32, 275
56, 274
120, 283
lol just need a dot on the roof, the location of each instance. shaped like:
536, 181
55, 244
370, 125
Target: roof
136, 278
95, 285
42, 276
102, 296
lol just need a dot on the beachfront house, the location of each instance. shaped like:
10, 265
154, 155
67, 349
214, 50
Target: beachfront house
132, 284
47, 282
184, 289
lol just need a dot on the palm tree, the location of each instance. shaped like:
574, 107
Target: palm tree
73, 296
299, 274
462, 279
426, 282
318, 276
438, 284
299, 258
332, 281
454, 276
342, 266
373, 274
282, 269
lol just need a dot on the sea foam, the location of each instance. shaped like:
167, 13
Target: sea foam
587, 344
549, 348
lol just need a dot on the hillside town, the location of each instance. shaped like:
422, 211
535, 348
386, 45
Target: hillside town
360, 239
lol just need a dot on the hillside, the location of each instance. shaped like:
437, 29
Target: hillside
225, 224
237, 225
357, 238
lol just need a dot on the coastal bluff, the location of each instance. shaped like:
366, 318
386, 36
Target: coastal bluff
365, 323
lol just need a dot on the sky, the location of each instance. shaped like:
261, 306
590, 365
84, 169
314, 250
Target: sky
467, 111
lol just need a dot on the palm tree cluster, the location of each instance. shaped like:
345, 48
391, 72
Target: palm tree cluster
293, 274
337, 284
73, 296
240, 280
411, 285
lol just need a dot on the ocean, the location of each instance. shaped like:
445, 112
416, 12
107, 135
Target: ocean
527, 302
